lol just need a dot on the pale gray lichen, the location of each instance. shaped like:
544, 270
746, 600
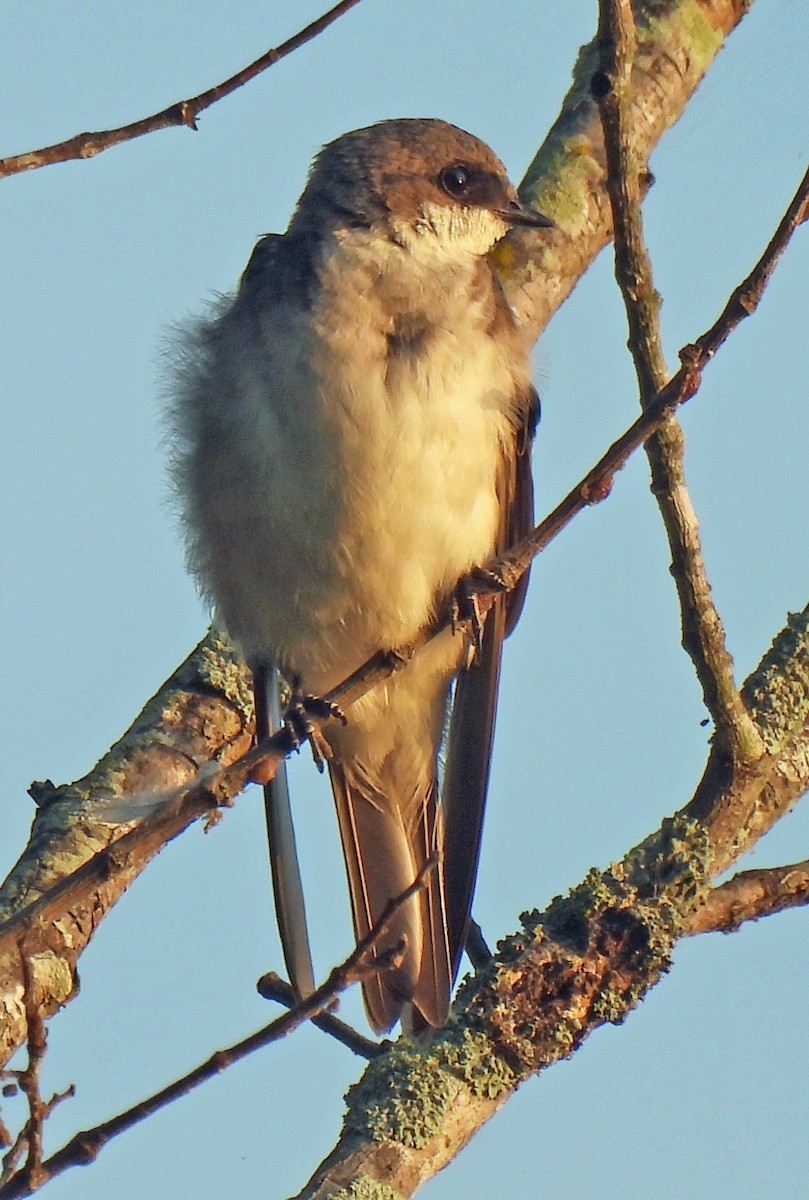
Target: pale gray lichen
402, 1097
221, 665
777, 692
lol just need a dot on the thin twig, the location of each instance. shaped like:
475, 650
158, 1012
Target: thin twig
272, 987
750, 895
703, 634
29, 1139
364, 960
184, 112
745, 299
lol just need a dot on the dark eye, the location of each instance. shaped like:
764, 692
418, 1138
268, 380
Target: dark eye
455, 180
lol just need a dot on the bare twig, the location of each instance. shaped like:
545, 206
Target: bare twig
272, 987
29, 1140
150, 835
589, 959
595, 954
566, 178
218, 785
184, 112
744, 300
507, 570
703, 634
751, 895
364, 960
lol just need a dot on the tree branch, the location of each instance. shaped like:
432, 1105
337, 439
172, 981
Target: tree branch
737, 806
163, 761
86, 1146
751, 895
183, 112
29, 1141
676, 44
272, 987
588, 960
703, 633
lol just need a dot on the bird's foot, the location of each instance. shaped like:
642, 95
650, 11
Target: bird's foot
471, 601
303, 719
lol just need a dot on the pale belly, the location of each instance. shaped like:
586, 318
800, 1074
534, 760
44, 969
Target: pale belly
344, 536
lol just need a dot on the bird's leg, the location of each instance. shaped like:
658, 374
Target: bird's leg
471, 600
301, 727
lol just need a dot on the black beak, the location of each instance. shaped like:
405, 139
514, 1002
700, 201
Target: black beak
520, 214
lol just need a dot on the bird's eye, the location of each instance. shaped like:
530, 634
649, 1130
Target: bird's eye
455, 180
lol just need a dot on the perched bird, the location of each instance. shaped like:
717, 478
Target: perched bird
352, 437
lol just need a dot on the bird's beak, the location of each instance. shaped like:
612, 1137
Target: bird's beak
520, 214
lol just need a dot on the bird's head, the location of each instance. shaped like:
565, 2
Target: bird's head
417, 182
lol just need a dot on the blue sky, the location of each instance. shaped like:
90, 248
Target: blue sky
600, 732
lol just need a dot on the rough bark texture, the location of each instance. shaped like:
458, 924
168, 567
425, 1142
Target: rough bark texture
677, 40
588, 960
75, 867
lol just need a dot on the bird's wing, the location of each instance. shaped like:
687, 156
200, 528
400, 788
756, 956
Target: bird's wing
287, 886
280, 266
469, 746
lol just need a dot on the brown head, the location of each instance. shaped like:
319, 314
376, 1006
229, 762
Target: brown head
408, 179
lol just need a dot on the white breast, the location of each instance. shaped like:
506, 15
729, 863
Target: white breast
367, 464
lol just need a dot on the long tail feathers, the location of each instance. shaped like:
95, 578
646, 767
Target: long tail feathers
286, 875
382, 860
466, 778
384, 853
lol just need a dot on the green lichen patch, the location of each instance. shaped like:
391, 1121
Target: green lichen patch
777, 692
365, 1187
402, 1097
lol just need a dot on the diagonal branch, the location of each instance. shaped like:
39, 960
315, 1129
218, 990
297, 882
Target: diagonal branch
183, 112
677, 43
588, 960
84, 1147
272, 987
203, 713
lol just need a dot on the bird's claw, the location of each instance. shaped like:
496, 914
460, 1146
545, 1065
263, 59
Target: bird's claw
467, 613
301, 727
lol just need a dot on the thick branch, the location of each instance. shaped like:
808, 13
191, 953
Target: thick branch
78, 863
587, 961
737, 807
677, 41
202, 712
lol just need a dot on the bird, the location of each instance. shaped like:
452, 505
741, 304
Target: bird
351, 437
